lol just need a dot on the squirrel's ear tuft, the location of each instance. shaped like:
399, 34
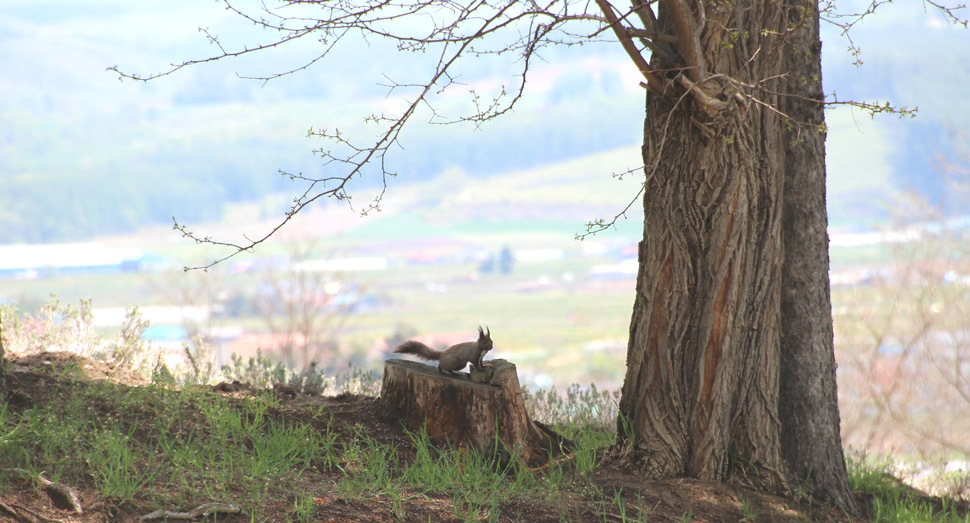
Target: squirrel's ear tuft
488, 334
481, 333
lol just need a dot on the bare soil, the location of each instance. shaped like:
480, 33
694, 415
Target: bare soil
32, 381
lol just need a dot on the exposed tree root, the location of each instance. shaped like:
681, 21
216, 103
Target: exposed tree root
62, 496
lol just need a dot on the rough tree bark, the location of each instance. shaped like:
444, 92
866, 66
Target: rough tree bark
730, 364
700, 397
811, 441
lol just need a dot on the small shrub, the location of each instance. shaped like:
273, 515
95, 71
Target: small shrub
585, 407
259, 372
201, 358
358, 381
57, 326
130, 351
310, 381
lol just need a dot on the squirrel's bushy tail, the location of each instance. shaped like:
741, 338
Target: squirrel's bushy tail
418, 349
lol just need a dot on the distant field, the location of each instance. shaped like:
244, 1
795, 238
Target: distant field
542, 315
551, 317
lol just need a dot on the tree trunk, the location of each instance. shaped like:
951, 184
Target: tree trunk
490, 417
700, 396
811, 443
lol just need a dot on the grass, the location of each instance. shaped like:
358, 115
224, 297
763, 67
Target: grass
188, 443
891, 500
636, 513
181, 447
154, 447
160, 447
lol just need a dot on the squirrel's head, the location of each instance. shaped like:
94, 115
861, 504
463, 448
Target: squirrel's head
484, 339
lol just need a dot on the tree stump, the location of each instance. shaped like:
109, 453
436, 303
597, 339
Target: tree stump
478, 411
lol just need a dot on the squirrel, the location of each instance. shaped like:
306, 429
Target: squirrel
453, 358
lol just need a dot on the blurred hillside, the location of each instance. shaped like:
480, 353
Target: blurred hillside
82, 154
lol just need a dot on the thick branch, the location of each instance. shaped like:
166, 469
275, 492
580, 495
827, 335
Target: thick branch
624, 37
688, 36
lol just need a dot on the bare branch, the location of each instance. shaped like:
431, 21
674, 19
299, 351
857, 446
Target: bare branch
650, 172
846, 21
597, 226
455, 30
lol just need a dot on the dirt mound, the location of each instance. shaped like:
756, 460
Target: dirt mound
73, 365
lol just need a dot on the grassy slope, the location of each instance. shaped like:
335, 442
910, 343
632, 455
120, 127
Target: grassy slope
130, 450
